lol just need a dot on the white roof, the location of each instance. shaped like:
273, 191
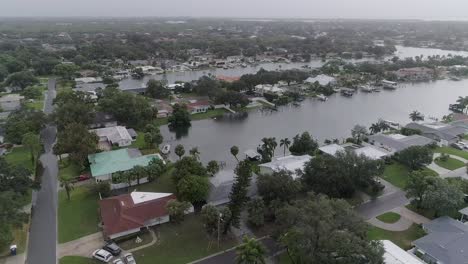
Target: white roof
11, 98
251, 153
322, 79
397, 136
395, 255
113, 134
371, 152
332, 149
141, 197
289, 163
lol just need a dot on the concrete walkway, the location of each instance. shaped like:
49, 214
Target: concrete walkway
83, 247
442, 171
153, 241
407, 219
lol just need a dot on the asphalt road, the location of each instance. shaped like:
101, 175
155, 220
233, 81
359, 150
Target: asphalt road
382, 204
42, 246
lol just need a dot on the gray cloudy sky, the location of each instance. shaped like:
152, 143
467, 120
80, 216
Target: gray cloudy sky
421, 9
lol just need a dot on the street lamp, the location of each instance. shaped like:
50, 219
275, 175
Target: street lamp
219, 222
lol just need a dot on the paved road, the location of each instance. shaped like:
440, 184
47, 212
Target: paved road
43, 234
382, 204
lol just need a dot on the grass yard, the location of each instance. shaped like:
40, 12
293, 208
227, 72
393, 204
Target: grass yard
77, 260
161, 184
389, 217
79, 216
68, 169
402, 239
209, 114
20, 156
181, 243
140, 141
450, 163
397, 174
452, 151
19, 239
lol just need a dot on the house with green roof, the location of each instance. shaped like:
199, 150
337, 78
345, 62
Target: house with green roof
104, 164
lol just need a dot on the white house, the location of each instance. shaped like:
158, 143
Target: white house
116, 135
321, 79
289, 163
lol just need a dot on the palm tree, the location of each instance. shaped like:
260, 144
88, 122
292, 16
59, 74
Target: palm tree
384, 126
285, 143
358, 132
195, 153
463, 101
179, 151
416, 116
67, 185
234, 152
375, 128
250, 252
138, 173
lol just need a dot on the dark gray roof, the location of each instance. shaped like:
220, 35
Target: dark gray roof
447, 241
416, 140
435, 133
132, 132
400, 144
221, 186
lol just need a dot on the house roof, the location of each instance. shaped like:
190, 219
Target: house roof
371, 152
102, 117
322, 79
399, 142
332, 149
113, 134
439, 131
289, 163
252, 153
447, 240
395, 255
118, 160
130, 211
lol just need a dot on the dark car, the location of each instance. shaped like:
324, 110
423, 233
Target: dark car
113, 248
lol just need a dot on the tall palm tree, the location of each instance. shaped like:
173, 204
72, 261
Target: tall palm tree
285, 143
375, 128
384, 126
416, 116
179, 151
358, 132
195, 153
67, 185
234, 152
250, 252
463, 101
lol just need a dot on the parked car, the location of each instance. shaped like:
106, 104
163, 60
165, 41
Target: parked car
84, 177
166, 149
458, 146
118, 261
112, 248
129, 259
102, 255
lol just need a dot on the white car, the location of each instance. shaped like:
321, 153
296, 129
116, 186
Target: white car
102, 255
118, 261
129, 258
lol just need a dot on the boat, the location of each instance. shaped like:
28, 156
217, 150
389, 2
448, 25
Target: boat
454, 78
322, 97
389, 85
296, 104
347, 92
367, 88
166, 149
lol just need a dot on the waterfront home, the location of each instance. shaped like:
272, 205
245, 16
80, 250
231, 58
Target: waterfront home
10, 102
321, 79
444, 134
332, 149
415, 74
104, 165
198, 107
369, 151
228, 79
102, 119
395, 255
262, 89
85, 80
252, 155
114, 136
288, 163
446, 242
130, 213
396, 142
221, 185
174, 86
389, 84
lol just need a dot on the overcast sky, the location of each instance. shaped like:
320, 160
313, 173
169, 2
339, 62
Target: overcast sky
386, 9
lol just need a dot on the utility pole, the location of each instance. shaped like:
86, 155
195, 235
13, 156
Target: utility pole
219, 223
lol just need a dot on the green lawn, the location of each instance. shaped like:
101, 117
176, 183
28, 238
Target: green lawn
77, 260
140, 141
181, 243
397, 174
79, 216
389, 217
20, 156
209, 114
450, 163
402, 239
19, 239
68, 170
452, 151
161, 184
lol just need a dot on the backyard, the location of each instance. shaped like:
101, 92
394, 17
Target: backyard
20, 156
397, 174
79, 216
402, 239
449, 163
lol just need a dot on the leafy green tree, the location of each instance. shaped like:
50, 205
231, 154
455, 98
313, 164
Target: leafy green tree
251, 251
239, 191
442, 197
11, 215
323, 230
358, 133
193, 189
267, 149
256, 210
235, 152
45, 65
179, 150
418, 183
156, 89
152, 136
177, 210
303, 144
215, 219
278, 186
76, 140
16, 179
21, 79
67, 185
155, 169
212, 167
33, 143
139, 172
66, 71
180, 117
21, 122
73, 107
416, 157
285, 143
188, 166
416, 116
32, 92
207, 86
194, 152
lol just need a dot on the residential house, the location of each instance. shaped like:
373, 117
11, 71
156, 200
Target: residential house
104, 165
129, 213
369, 151
446, 242
84, 80
442, 133
289, 163
395, 255
396, 142
263, 89
102, 119
321, 79
198, 107
10, 102
221, 185
114, 136
415, 74
332, 149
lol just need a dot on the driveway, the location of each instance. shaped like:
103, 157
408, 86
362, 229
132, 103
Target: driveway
83, 246
43, 232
